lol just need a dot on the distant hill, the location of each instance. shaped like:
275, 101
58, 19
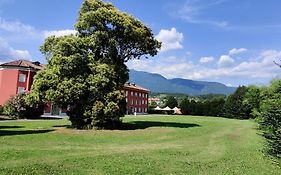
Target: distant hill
158, 83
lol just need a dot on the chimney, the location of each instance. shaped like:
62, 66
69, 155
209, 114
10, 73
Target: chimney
37, 63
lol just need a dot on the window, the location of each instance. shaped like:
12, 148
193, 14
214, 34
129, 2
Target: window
126, 100
132, 93
21, 90
136, 94
126, 93
132, 102
22, 78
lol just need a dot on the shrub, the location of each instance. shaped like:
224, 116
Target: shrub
1, 110
269, 118
17, 108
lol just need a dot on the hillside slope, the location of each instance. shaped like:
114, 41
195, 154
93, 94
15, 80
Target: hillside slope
158, 83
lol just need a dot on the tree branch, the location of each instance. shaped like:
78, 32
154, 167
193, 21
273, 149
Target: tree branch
278, 64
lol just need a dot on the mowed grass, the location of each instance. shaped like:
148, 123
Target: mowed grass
146, 145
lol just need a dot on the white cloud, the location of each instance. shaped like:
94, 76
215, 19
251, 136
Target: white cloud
171, 39
24, 30
225, 61
205, 60
7, 52
17, 27
58, 33
235, 51
246, 72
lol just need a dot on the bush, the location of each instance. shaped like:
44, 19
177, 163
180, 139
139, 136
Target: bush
17, 108
269, 118
1, 110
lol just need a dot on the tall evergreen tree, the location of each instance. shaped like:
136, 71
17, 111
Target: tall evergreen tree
86, 71
252, 100
234, 107
185, 106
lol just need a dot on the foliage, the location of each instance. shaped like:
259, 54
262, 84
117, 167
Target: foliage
151, 107
216, 107
234, 107
1, 110
17, 107
86, 71
211, 96
171, 102
251, 101
204, 107
270, 117
185, 106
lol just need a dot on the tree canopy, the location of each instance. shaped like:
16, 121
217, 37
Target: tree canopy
171, 102
86, 72
269, 117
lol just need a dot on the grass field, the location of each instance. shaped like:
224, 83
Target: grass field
147, 145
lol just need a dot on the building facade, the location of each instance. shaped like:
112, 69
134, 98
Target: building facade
136, 98
16, 77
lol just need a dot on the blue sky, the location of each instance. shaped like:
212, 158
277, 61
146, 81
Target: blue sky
229, 41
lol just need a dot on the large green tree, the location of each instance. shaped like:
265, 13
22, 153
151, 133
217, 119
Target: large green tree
252, 100
171, 102
234, 107
86, 71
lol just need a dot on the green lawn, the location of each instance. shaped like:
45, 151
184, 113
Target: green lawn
147, 145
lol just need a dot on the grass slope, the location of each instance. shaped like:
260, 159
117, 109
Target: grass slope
147, 145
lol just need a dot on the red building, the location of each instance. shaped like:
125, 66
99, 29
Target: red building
136, 98
16, 77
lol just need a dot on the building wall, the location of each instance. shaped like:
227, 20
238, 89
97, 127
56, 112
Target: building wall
22, 84
8, 84
137, 101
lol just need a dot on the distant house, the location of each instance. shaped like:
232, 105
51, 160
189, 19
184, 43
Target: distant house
156, 100
136, 98
17, 77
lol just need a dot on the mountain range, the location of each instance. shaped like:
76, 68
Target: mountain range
158, 83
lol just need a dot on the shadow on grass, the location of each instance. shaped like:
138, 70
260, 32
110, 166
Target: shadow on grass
47, 118
147, 124
22, 132
10, 127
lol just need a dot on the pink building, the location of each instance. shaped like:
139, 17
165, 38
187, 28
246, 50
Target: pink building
16, 77
136, 98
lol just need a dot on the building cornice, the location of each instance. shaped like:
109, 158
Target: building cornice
18, 68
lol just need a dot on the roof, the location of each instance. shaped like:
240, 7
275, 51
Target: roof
24, 63
135, 87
